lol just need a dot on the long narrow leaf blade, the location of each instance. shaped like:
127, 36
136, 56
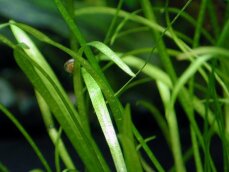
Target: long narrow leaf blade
27, 136
102, 113
127, 139
52, 131
111, 54
47, 85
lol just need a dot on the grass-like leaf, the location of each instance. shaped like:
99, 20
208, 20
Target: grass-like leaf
111, 54
206, 66
45, 82
3, 25
108, 92
103, 116
127, 140
151, 70
187, 74
52, 131
27, 137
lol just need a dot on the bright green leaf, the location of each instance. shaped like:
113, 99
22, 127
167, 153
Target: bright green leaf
112, 56
103, 116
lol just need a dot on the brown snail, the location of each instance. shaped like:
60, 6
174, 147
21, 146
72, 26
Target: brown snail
69, 66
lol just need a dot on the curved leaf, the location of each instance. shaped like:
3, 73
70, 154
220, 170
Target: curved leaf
45, 82
111, 55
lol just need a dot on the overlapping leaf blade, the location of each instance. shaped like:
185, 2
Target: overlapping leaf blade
103, 116
45, 82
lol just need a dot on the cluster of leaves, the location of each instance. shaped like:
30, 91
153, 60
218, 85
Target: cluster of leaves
206, 62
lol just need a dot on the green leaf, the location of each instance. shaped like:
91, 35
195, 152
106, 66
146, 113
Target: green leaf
3, 168
120, 26
103, 116
111, 55
3, 25
27, 137
127, 139
52, 131
31, 50
108, 92
45, 82
152, 71
195, 66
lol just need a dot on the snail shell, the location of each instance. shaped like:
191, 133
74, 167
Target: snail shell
69, 66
